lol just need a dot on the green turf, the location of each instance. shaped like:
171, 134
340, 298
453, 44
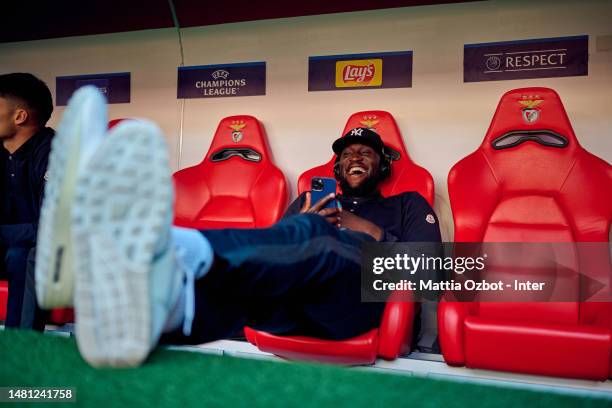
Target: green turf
185, 379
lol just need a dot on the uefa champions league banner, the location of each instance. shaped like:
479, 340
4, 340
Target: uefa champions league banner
218, 81
114, 86
536, 58
360, 71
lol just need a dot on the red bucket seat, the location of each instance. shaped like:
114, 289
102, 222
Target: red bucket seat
394, 335
531, 181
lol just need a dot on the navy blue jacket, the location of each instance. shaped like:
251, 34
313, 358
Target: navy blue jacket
22, 184
406, 217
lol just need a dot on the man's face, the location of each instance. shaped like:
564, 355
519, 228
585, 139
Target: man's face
8, 127
358, 164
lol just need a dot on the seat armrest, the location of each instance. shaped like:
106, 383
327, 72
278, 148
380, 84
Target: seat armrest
396, 325
451, 317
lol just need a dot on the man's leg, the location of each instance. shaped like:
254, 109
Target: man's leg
15, 261
128, 282
301, 275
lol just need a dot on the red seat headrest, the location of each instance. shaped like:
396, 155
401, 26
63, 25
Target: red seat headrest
531, 165
236, 185
570, 182
240, 131
530, 109
405, 174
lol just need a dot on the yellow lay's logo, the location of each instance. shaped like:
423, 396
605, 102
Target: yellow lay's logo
359, 73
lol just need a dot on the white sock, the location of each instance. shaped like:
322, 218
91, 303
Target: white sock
195, 257
193, 249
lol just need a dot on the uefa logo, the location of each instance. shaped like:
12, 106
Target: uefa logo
220, 73
493, 63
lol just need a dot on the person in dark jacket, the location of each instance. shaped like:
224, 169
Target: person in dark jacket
25, 108
333, 310
361, 166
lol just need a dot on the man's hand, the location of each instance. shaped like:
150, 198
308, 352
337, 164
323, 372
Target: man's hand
353, 222
330, 214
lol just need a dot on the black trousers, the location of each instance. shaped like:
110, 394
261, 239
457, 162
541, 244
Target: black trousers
301, 276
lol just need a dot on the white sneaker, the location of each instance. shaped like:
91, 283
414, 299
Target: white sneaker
126, 280
79, 134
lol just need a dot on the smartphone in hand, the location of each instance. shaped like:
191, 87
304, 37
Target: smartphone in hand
321, 187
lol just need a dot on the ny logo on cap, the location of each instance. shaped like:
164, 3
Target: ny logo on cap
356, 132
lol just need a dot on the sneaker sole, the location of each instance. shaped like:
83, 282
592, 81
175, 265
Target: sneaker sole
55, 249
121, 210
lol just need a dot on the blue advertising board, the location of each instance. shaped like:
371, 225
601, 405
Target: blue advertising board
225, 80
115, 86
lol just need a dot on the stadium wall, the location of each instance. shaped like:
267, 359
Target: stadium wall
442, 119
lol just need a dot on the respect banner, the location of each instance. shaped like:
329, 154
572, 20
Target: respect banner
536, 58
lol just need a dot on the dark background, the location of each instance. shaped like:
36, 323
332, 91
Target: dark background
35, 20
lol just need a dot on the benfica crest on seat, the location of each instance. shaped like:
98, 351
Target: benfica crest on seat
369, 121
237, 127
530, 113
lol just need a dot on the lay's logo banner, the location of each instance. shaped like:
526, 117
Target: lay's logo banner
360, 71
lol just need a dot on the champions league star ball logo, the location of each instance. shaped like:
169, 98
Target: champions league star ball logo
237, 126
493, 63
530, 113
220, 73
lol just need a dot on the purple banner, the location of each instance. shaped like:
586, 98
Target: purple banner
538, 58
115, 86
360, 71
219, 81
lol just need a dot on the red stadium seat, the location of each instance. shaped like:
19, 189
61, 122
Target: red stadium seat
237, 184
3, 299
394, 335
61, 316
546, 188
114, 122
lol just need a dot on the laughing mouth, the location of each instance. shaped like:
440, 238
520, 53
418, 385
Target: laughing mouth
356, 171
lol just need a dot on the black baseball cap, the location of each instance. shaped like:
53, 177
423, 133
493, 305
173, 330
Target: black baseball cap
359, 135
